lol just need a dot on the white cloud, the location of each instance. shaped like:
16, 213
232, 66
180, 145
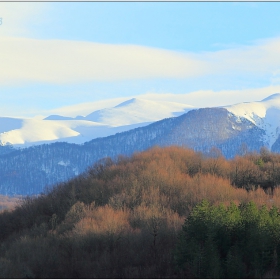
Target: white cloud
61, 62
58, 61
210, 98
263, 58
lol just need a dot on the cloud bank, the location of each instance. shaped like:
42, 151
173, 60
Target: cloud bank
260, 59
62, 62
58, 61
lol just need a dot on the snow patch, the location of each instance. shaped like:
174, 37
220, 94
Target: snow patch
76, 171
67, 163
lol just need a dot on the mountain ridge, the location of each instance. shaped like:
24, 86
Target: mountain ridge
29, 170
265, 114
124, 116
100, 123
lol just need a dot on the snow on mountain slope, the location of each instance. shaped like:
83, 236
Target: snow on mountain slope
265, 114
137, 110
35, 132
127, 115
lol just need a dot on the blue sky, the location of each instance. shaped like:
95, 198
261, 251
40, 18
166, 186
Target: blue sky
176, 26
56, 54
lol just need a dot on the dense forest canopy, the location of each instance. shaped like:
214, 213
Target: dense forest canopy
230, 242
123, 218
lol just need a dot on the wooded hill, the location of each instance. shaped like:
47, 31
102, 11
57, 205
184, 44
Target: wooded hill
122, 219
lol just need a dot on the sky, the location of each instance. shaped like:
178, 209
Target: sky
55, 55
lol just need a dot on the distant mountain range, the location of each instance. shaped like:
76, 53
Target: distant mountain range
29, 170
125, 116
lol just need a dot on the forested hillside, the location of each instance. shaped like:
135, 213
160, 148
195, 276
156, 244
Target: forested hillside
123, 218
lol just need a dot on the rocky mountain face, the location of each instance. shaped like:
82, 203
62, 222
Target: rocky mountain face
30, 170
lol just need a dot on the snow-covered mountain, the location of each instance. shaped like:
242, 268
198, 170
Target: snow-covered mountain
29, 170
265, 114
137, 110
132, 113
125, 116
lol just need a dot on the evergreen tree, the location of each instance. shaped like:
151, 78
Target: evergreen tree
231, 242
